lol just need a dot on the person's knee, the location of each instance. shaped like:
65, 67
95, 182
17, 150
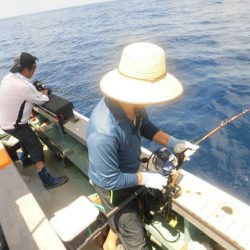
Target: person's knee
131, 229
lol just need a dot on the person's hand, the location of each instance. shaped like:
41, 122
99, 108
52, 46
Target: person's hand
44, 92
153, 180
179, 146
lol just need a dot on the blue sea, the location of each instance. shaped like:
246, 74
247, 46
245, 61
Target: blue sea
207, 44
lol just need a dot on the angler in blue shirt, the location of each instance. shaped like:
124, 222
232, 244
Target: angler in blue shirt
114, 144
114, 136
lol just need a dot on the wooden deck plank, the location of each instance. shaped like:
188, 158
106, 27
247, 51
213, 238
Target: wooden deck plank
222, 213
220, 220
197, 201
206, 211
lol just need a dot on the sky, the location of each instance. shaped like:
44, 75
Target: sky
11, 8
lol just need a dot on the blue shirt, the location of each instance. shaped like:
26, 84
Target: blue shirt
114, 145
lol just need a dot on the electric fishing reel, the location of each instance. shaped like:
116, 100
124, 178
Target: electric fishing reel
164, 161
40, 86
167, 164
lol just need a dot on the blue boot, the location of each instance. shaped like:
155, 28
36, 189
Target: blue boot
50, 181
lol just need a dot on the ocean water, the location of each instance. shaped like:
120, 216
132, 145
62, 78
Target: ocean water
207, 44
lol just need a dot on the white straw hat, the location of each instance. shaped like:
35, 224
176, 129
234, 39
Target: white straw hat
142, 77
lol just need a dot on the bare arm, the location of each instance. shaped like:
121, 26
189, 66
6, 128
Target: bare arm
139, 178
161, 137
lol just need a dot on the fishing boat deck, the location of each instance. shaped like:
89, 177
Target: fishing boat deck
27, 208
54, 199
222, 217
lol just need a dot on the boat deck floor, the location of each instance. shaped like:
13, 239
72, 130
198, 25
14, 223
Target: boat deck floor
220, 216
55, 199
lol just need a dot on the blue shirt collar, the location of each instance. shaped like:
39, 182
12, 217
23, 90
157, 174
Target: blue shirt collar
116, 109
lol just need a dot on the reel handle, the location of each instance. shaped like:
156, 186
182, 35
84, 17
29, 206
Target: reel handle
180, 157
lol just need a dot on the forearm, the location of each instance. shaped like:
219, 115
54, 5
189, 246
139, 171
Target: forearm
116, 182
37, 97
139, 179
161, 137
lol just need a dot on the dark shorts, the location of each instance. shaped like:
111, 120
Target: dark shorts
29, 141
126, 222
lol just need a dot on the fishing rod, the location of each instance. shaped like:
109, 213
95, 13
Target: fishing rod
165, 161
169, 165
181, 156
222, 125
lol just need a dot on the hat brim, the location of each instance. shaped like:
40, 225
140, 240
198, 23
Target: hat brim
130, 90
15, 69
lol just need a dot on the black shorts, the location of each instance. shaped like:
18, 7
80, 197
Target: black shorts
28, 140
126, 222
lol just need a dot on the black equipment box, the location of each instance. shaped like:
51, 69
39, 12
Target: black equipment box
59, 107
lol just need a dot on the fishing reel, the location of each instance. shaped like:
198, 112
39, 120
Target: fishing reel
164, 161
40, 86
167, 164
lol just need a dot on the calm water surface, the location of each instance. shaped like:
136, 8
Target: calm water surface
208, 48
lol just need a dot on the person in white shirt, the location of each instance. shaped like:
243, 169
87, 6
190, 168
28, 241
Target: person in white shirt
17, 96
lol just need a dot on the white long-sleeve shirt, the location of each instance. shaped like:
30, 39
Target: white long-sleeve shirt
14, 90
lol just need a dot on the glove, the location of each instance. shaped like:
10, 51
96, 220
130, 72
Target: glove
179, 146
153, 180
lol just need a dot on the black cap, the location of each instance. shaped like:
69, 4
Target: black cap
23, 60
